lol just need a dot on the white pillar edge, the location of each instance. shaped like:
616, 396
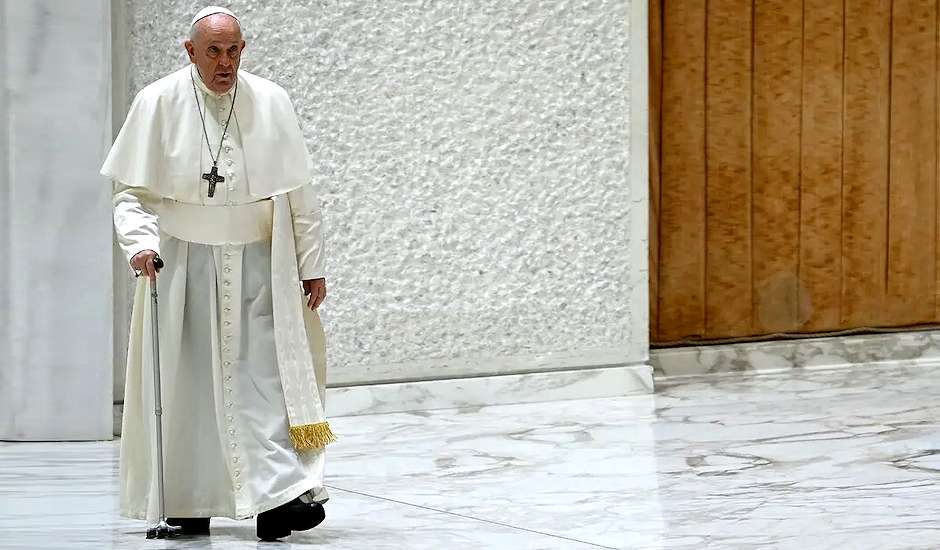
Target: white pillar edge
639, 168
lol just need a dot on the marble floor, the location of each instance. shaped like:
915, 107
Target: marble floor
839, 459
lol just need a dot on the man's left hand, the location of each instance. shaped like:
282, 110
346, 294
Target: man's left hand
315, 291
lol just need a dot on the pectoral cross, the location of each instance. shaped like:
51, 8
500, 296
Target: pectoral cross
213, 178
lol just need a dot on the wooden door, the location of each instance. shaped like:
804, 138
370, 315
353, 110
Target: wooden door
794, 166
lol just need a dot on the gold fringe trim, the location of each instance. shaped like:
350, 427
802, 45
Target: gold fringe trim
311, 436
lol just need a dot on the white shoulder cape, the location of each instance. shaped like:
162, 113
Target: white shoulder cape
161, 143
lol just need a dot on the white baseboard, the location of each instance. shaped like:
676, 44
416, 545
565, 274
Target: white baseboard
490, 390
481, 391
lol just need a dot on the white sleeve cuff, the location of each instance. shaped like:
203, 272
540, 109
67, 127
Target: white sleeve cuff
139, 246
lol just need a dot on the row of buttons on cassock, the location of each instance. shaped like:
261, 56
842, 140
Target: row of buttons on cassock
227, 358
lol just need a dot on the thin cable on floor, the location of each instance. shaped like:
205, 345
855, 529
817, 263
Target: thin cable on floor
594, 544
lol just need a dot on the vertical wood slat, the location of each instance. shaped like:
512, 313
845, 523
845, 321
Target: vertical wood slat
655, 94
683, 182
865, 167
728, 194
937, 203
778, 44
912, 195
821, 167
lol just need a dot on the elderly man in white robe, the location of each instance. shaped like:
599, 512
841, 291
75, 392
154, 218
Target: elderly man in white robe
211, 175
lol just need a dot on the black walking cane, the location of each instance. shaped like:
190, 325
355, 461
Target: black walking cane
162, 530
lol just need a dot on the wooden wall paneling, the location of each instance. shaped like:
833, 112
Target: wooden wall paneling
912, 194
936, 314
821, 167
683, 180
778, 45
728, 194
865, 166
655, 94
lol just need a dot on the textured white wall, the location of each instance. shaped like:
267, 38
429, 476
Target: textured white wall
473, 157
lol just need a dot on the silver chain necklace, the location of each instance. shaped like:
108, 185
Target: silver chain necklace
213, 176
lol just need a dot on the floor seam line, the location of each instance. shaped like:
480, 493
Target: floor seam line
507, 525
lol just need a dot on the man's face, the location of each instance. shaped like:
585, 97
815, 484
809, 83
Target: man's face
216, 48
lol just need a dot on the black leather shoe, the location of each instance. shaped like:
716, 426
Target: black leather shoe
191, 526
296, 515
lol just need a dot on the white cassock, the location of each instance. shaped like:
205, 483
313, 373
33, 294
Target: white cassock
242, 358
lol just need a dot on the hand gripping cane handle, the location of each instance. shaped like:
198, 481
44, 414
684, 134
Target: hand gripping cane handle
161, 530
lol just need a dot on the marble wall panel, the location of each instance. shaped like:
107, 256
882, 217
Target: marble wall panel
56, 331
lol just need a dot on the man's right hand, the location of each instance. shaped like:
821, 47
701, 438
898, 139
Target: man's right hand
142, 262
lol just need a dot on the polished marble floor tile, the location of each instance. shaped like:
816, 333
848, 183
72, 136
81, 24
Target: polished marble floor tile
62, 496
57, 496
843, 459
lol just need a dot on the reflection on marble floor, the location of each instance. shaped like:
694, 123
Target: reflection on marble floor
844, 459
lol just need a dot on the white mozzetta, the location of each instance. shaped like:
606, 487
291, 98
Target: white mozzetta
475, 166
55, 227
